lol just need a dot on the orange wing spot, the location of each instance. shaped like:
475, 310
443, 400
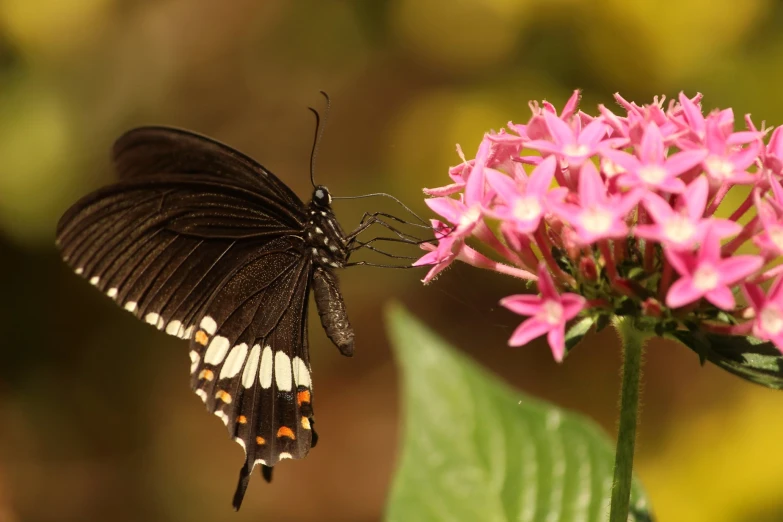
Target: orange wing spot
285, 431
223, 396
206, 374
306, 423
242, 419
202, 337
260, 441
302, 396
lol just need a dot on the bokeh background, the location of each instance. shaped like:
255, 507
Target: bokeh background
96, 418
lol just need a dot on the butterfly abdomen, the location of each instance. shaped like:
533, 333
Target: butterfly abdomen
331, 308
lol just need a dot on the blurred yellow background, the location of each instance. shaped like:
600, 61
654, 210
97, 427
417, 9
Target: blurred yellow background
97, 421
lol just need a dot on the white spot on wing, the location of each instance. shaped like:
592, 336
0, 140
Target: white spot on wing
174, 328
188, 333
324, 260
283, 371
131, 306
202, 394
222, 416
249, 375
234, 361
285, 456
79, 271
318, 230
152, 318
94, 280
265, 371
241, 443
301, 373
112, 293
257, 462
195, 358
208, 325
217, 350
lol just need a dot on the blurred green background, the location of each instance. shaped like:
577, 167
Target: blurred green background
96, 418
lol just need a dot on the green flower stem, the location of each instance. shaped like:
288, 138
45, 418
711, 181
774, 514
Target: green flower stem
632, 340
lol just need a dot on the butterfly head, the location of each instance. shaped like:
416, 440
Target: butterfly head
321, 197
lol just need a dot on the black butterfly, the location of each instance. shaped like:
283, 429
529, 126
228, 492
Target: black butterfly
204, 243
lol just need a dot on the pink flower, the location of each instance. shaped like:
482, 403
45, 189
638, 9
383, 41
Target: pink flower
705, 274
441, 255
653, 169
768, 323
683, 228
598, 215
770, 212
773, 154
726, 161
525, 206
548, 313
573, 145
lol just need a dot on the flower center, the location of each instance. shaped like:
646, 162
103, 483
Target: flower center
719, 168
575, 150
771, 319
596, 220
776, 236
705, 278
679, 229
551, 312
611, 169
470, 217
527, 209
652, 174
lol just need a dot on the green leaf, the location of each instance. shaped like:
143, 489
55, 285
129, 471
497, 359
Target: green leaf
577, 331
745, 356
476, 450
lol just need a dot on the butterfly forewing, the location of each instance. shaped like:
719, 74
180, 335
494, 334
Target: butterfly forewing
204, 243
156, 151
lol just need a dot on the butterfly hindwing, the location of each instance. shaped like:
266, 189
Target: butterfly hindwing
251, 364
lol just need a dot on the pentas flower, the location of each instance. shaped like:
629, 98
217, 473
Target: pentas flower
683, 226
616, 216
705, 273
652, 168
549, 313
598, 215
768, 309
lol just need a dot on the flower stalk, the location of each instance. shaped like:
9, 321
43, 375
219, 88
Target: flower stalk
632, 341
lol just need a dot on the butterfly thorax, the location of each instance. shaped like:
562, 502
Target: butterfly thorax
325, 239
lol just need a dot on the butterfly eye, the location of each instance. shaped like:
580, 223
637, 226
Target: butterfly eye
321, 196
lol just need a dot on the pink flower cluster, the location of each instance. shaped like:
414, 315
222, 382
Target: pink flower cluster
617, 214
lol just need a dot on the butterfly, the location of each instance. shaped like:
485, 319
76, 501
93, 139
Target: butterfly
204, 243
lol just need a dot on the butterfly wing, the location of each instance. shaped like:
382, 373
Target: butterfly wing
160, 244
250, 362
153, 151
202, 242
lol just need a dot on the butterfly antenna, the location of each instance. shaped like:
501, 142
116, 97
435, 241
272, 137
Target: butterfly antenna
319, 131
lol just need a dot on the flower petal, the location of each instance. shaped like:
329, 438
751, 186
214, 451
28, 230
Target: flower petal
721, 297
522, 304
556, 339
527, 331
682, 292
449, 208
736, 268
541, 177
